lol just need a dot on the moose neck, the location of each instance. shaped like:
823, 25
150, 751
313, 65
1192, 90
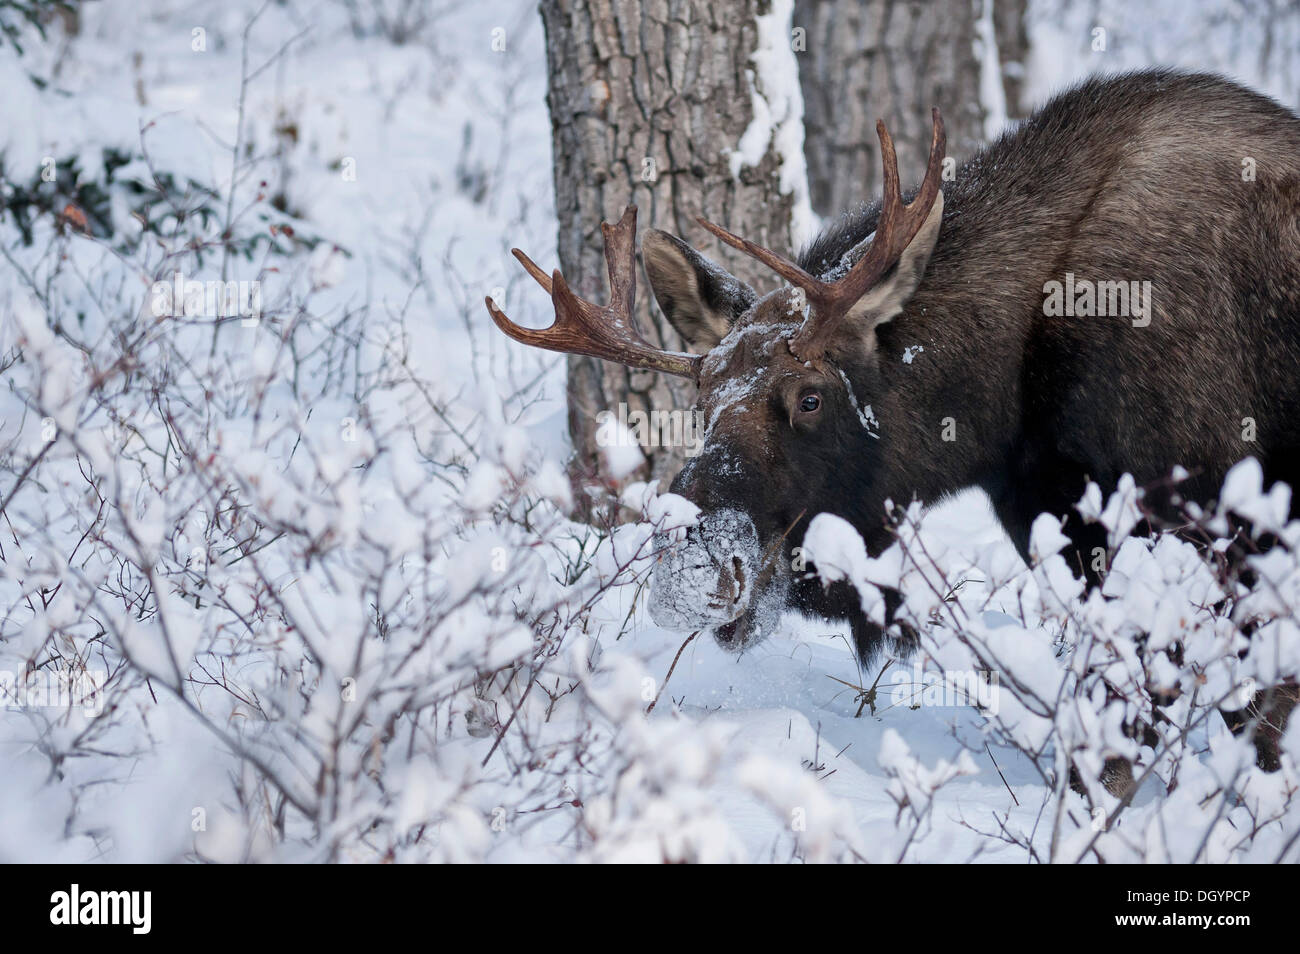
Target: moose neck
945, 376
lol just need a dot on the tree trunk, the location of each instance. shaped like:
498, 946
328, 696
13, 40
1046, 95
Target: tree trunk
865, 60
1010, 23
649, 100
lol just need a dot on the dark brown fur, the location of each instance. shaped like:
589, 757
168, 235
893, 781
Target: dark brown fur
1132, 178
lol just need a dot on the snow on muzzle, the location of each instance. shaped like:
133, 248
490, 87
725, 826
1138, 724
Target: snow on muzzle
707, 579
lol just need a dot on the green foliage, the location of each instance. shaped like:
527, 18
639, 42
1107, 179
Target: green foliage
51, 190
164, 204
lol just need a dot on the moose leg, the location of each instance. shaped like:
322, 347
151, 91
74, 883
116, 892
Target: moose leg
1268, 713
1039, 491
840, 600
1116, 773
1042, 482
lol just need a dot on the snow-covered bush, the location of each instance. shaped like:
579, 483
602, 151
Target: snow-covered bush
286, 571
1119, 691
286, 575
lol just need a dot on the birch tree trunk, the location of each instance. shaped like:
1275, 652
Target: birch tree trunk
883, 59
649, 100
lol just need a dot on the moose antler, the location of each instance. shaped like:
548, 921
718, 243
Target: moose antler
582, 327
897, 226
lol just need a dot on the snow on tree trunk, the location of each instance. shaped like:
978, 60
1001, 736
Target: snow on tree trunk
687, 109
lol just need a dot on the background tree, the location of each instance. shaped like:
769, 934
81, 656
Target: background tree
1011, 25
894, 59
650, 101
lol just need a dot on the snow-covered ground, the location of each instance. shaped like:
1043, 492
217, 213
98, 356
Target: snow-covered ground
363, 488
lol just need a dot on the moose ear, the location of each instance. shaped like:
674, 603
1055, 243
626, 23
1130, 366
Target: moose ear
698, 298
887, 298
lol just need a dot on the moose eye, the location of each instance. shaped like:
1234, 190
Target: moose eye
810, 403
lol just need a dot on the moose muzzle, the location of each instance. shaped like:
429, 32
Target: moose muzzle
707, 579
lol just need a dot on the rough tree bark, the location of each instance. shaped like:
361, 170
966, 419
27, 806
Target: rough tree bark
865, 60
648, 101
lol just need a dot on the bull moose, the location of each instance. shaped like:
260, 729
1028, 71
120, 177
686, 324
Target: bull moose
830, 392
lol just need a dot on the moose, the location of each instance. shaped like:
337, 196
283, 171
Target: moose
918, 348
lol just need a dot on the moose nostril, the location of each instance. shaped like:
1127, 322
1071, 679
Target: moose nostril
739, 573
